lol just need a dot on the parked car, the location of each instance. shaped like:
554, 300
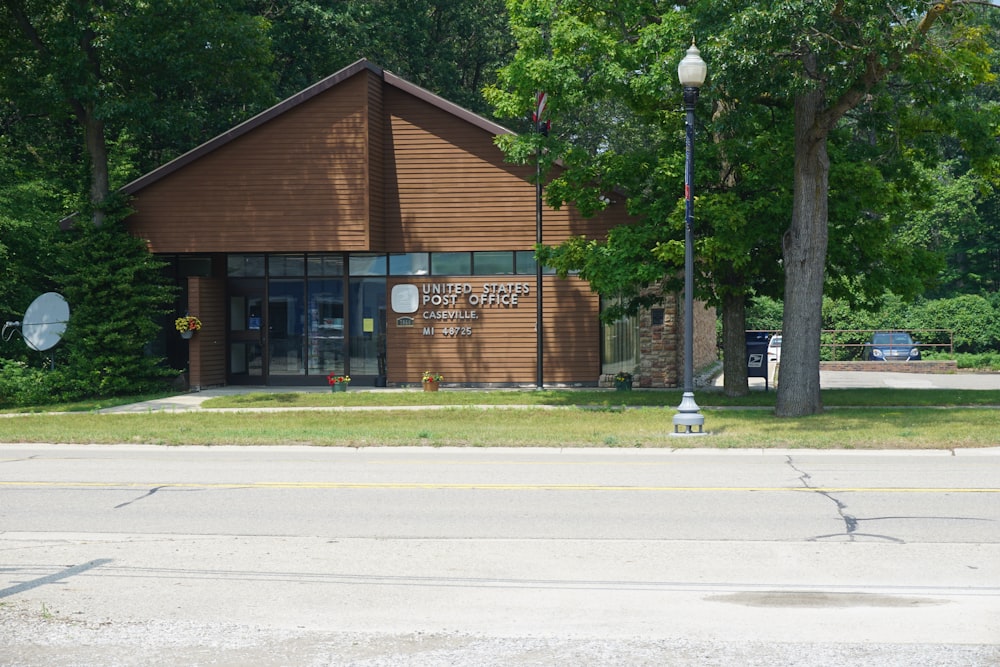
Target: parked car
774, 349
892, 346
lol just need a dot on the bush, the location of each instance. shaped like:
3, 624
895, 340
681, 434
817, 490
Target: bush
989, 361
116, 291
22, 385
764, 314
973, 320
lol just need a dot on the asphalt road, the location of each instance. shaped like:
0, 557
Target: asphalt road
135, 555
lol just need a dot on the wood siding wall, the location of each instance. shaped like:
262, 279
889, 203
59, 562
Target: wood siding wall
207, 351
361, 166
500, 347
448, 188
298, 182
572, 328
376, 126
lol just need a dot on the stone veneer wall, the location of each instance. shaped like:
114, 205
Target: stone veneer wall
706, 344
661, 346
661, 350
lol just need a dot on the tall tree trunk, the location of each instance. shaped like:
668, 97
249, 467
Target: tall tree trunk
734, 306
734, 345
97, 153
90, 118
804, 249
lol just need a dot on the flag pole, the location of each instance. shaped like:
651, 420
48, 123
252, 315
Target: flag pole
541, 128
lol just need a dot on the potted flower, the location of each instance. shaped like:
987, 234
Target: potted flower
431, 381
623, 381
187, 325
338, 382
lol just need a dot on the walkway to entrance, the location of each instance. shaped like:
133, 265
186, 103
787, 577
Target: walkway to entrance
193, 400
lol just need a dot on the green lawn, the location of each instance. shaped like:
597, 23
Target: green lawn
600, 397
856, 419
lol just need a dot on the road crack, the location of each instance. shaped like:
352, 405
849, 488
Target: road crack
142, 497
850, 521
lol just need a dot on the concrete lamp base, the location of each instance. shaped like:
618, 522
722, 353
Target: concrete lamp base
688, 417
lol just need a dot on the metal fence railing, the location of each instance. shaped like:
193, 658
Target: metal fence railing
851, 344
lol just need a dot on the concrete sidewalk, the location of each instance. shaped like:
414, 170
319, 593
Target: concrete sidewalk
193, 400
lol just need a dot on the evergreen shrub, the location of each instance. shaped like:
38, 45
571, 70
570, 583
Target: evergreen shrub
116, 291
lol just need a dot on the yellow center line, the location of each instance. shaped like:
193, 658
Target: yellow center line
488, 487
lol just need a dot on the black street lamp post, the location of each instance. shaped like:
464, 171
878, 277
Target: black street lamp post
691, 71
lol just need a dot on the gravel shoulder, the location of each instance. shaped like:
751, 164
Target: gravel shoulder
38, 637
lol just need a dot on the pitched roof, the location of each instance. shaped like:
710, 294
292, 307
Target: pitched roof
312, 91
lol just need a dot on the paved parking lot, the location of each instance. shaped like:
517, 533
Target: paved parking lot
870, 379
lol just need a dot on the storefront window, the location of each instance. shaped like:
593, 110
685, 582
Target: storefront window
493, 263
245, 266
194, 266
620, 346
326, 265
410, 264
451, 263
524, 262
367, 265
286, 265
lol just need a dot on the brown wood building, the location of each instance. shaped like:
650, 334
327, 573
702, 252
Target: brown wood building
368, 227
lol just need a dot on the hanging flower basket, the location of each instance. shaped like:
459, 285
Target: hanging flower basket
187, 325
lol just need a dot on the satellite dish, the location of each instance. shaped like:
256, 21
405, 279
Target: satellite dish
45, 321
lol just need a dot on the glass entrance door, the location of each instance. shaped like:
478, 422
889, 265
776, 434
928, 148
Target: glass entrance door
286, 318
246, 359
367, 313
294, 318
326, 341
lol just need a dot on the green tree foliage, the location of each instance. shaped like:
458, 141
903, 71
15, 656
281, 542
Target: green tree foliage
609, 76
960, 223
128, 72
618, 135
764, 314
958, 214
26, 204
187, 70
92, 94
825, 61
452, 47
116, 293
974, 320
